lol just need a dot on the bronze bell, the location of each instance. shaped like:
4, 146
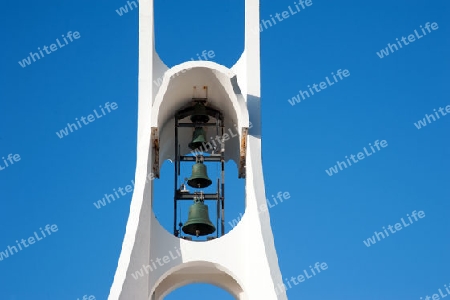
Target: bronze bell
198, 222
199, 178
198, 138
199, 115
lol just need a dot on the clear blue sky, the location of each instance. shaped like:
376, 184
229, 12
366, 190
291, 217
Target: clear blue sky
56, 180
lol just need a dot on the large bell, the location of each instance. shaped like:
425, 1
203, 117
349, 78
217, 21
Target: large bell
199, 178
199, 115
198, 138
198, 222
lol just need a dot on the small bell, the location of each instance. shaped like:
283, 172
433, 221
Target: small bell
199, 178
198, 139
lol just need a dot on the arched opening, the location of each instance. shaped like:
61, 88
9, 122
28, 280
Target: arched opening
199, 291
197, 274
207, 92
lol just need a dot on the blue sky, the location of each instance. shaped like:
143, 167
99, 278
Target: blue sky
55, 181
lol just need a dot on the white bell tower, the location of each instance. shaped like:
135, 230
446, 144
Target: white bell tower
243, 261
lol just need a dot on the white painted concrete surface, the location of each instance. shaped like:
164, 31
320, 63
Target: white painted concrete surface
244, 261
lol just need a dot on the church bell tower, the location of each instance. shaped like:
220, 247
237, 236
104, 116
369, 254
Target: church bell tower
186, 120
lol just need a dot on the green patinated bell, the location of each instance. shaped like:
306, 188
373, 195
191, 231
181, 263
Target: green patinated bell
198, 139
199, 115
199, 178
198, 222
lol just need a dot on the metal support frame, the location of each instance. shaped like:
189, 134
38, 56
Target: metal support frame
222, 152
219, 197
175, 231
205, 158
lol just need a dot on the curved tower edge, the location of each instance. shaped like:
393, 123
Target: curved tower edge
136, 242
